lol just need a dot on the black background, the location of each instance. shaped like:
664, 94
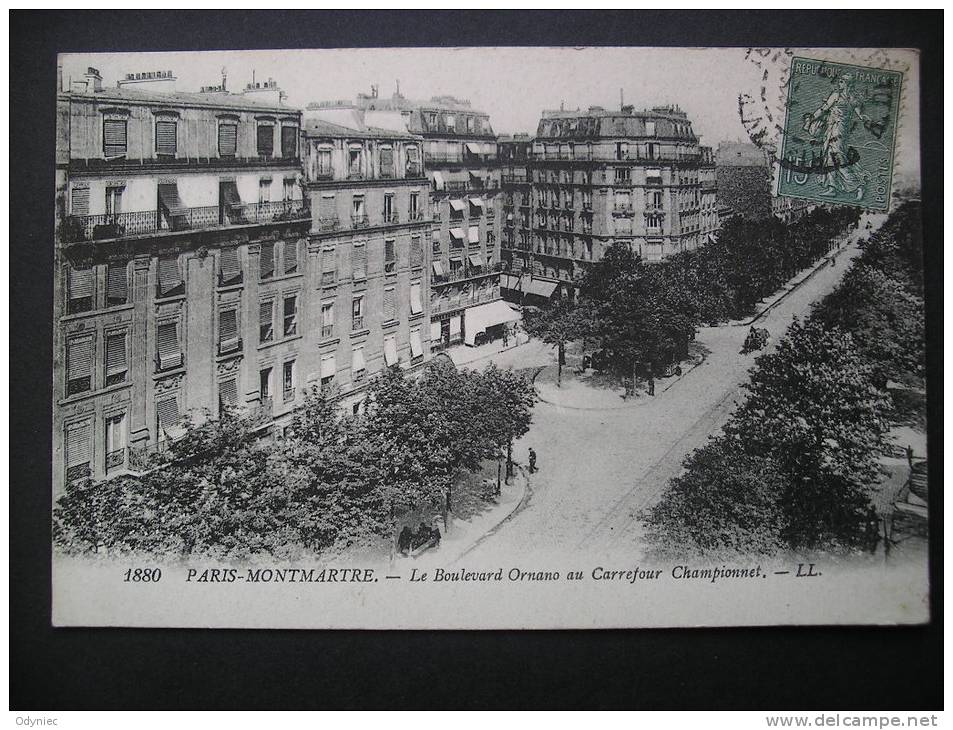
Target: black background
776, 668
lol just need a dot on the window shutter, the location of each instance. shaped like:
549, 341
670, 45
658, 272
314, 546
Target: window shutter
329, 262
116, 354
291, 315
168, 342
289, 142
265, 321
168, 412
359, 262
114, 137
227, 325
80, 202
291, 256
227, 139
416, 306
228, 392
266, 140
230, 269
267, 263
416, 251
166, 134
390, 304
170, 278
327, 208
117, 284
80, 358
387, 160
78, 444
80, 283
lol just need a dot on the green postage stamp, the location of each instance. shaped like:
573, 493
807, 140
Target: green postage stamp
839, 133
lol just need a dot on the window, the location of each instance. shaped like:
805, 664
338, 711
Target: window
167, 340
387, 161
166, 137
390, 350
266, 140
264, 383
416, 306
355, 163
264, 190
79, 202
78, 451
622, 175
79, 365
266, 264
80, 290
416, 251
291, 316
656, 199
291, 257
329, 266
288, 188
328, 369
653, 222
358, 216
469, 125
621, 150
650, 129
653, 176
390, 304
227, 139
288, 380
416, 346
114, 138
451, 123
116, 362
229, 270
327, 319
228, 393
358, 366
167, 415
114, 200
435, 245
359, 261
115, 430
324, 162
266, 327
413, 161
117, 290
389, 213
228, 340
289, 141
357, 313
170, 277
650, 149
390, 256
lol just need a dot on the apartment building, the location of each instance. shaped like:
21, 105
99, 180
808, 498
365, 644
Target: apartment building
746, 187
600, 177
179, 216
464, 175
367, 249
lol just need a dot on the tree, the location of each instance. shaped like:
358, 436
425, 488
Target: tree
558, 325
725, 501
503, 409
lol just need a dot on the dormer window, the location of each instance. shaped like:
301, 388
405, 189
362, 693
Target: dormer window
451, 123
227, 138
166, 136
469, 125
266, 139
650, 129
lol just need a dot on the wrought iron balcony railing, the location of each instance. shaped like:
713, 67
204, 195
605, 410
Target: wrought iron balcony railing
82, 228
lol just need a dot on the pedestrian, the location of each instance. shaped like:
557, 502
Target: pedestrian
506, 336
404, 540
532, 460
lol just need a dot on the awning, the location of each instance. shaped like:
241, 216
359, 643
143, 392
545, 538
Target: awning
438, 182
540, 288
328, 366
455, 323
390, 351
229, 193
477, 202
416, 347
456, 233
476, 260
437, 268
416, 306
474, 147
474, 234
511, 281
457, 205
169, 198
475, 173
487, 315
489, 148
357, 363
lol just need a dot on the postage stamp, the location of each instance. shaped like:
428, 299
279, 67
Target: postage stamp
839, 133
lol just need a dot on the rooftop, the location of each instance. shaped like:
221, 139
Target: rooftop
212, 100
321, 128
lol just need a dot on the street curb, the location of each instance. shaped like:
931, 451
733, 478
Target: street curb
520, 503
637, 404
822, 262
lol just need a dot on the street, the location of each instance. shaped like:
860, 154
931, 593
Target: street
599, 467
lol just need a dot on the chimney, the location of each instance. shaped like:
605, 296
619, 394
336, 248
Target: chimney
264, 91
162, 81
94, 82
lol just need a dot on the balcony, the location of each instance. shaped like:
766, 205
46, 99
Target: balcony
230, 346
115, 459
169, 362
416, 216
328, 224
468, 272
359, 220
85, 228
390, 217
164, 162
357, 323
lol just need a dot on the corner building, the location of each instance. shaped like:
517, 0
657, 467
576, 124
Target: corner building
178, 215
600, 177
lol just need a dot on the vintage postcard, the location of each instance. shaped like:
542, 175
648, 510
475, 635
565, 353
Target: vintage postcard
479, 338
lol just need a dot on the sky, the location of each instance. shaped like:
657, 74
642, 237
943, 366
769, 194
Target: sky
513, 85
